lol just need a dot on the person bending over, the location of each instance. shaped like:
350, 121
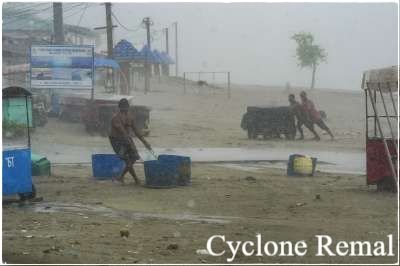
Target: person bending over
313, 114
122, 125
301, 117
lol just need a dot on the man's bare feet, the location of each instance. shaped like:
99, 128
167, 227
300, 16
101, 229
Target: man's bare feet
118, 179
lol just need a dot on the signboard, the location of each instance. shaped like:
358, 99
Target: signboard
62, 66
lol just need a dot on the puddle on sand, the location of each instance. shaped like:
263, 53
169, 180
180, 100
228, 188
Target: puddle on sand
341, 161
259, 167
54, 207
242, 167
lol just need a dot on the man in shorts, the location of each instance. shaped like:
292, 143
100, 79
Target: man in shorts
313, 114
122, 124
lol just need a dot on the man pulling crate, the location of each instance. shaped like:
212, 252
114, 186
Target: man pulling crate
122, 124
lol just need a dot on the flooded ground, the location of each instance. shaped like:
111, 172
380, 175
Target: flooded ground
328, 161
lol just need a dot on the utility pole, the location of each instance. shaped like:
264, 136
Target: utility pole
109, 26
166, 41
58, 23
176, 48
166, 67
110, 45
147, 22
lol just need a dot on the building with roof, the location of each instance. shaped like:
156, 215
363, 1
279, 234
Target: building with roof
132, 62
20, 32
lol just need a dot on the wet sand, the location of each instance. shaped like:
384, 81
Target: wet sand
277, 206
80, 219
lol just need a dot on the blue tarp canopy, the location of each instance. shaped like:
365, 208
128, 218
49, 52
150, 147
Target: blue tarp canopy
158, 57
166, 58
124, 50
147, 52
105, 62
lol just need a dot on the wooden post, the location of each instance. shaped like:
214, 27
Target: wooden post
110, 45
176, 49
391, 97
229, 85
147, 23
27, 119
184, 82
58, 23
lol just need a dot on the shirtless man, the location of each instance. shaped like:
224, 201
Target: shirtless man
122, 124
313, 114
301, 117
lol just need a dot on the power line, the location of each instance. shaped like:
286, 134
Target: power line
65, 11
71, 13
123, 26
12, 11
26, 13
47, 19
83, 13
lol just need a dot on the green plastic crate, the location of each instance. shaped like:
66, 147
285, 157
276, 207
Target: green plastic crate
40, 165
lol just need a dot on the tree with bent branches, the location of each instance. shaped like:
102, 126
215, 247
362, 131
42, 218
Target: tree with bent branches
308, 54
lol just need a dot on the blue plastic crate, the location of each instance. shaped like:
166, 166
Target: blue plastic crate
106, 166
179, 164
160, 174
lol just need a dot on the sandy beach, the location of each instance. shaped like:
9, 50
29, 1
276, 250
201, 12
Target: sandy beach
208, 118
80, 219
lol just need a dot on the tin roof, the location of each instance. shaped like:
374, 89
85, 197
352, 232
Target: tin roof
385, 79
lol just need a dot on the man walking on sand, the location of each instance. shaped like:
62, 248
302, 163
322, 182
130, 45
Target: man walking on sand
301, 117
313, 114
122, 124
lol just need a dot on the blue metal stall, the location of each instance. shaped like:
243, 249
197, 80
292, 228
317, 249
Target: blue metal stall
17, 177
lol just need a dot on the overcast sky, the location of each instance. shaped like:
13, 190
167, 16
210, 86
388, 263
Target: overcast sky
252, 40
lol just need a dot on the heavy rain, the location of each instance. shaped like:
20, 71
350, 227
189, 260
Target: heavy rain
169, 132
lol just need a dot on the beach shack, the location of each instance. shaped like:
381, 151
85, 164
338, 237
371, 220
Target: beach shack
17, 120
166, 60
106, 68
125, 54
147, 55
157, 63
